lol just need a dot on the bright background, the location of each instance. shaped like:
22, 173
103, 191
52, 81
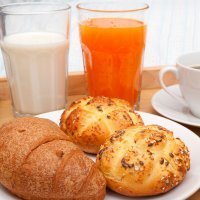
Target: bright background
173, 29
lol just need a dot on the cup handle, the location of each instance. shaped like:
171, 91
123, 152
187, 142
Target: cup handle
161, 77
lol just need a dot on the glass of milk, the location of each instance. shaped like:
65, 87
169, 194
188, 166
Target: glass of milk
35, 42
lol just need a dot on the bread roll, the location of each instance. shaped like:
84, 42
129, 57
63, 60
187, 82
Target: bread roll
91, 120
37, 162
143, 161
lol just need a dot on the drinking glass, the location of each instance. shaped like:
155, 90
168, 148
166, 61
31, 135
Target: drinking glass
113, 35
35, 42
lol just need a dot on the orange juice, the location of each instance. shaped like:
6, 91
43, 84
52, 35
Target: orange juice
113, 53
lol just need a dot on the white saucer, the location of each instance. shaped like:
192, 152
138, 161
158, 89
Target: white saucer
169, 107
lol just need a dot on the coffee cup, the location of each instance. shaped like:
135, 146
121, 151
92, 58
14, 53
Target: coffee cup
187, 72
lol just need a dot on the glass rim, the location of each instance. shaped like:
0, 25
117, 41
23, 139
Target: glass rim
82, 6
51, 10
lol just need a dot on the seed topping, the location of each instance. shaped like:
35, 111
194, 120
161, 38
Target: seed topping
101, 152
166, 163
125, 164
99, 108
141, 163
117, 135
171, 155
161, 161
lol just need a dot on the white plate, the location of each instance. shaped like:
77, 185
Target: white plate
192, 180
169, 107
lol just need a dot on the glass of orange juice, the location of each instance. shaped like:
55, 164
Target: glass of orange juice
113, 35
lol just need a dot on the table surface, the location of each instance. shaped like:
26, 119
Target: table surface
145, 106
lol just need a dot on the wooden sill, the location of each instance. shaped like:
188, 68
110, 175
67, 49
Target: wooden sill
77, 82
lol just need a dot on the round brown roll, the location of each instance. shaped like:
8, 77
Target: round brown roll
143, 161
91, 120
37, 162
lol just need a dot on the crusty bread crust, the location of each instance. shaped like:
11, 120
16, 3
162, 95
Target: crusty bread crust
91, 120
143, 161
37, 162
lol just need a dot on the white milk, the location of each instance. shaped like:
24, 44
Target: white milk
36, 67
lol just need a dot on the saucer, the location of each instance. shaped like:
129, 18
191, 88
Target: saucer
169, 107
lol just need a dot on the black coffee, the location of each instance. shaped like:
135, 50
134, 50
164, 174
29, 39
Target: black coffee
196, 67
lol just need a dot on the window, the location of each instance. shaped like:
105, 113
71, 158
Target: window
173, 29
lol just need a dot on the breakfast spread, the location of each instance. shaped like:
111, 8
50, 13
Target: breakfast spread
99, 141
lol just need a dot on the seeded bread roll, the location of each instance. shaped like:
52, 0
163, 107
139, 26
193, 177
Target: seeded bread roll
143, 161
89, 121
37, 162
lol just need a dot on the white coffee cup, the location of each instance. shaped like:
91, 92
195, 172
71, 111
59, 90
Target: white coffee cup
187, 72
